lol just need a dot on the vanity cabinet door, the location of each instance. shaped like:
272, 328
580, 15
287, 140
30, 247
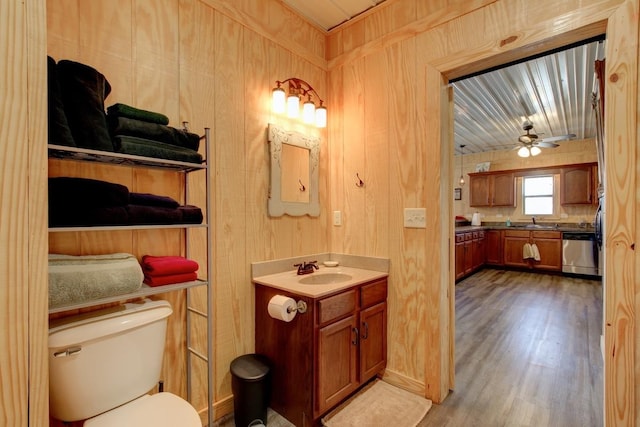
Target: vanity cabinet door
373, 340
337, 362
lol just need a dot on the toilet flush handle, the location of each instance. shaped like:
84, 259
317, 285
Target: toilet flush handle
68, 352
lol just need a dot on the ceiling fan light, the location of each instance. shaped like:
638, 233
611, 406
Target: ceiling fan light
523, 152
535, 151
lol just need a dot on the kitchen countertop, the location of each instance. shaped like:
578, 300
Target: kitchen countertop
543, 227
289, 280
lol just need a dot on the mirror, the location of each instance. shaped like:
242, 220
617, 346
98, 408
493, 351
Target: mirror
294, 173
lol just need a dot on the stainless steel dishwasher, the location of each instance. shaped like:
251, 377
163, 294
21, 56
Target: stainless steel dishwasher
580, 254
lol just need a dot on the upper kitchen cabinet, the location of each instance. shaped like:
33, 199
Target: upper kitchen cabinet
577, 185
491, 189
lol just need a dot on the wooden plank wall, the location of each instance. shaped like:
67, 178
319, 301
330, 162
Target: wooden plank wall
451, 39
213, 65
23, 247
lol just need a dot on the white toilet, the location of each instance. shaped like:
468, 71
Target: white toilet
102, 365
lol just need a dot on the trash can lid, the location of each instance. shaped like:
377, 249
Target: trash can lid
250, 367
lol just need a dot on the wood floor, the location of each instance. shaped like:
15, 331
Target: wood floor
527, 352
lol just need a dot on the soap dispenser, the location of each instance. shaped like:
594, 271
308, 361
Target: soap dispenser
508, 221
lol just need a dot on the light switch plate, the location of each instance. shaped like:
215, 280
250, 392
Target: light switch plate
337, 218
415, 217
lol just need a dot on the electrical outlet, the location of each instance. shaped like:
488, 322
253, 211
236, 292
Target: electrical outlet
415, 217
337, 218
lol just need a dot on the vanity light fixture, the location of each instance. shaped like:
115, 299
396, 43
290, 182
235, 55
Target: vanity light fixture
289, 102
461, 164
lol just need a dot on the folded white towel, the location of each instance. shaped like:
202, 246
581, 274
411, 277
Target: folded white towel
527, 251
535, 252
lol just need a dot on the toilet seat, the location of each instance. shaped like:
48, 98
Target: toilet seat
157, 410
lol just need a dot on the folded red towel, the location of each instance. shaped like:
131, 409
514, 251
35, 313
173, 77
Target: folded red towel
169, 279
167, 265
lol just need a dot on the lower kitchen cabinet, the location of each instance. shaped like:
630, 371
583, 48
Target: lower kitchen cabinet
493, 245
470, 252
325, 354
549, 245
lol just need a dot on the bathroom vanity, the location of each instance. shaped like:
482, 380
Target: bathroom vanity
326, 353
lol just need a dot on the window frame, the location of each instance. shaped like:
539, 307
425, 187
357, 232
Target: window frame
553, 194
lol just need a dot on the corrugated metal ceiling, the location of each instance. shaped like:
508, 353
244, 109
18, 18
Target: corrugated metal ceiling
553, 92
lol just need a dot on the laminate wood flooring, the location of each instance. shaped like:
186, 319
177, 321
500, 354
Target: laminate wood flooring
527, 352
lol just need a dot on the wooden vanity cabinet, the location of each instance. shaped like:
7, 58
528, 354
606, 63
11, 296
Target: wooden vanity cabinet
322, 356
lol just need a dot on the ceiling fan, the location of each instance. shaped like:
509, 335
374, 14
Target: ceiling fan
531, 143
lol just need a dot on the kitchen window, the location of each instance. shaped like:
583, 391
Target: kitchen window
537, 192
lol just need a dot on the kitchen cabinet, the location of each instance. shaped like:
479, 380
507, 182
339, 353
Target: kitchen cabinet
577, 185
470, 252
549, 245
493, 245
325, 354
492, 189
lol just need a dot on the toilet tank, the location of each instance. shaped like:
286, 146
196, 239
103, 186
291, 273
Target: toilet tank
103, 359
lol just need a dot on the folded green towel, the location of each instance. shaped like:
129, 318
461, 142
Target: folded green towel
124, 110
77, 279
149, 148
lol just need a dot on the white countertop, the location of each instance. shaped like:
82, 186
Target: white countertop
289, 280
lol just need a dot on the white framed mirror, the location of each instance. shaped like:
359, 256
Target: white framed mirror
294, 161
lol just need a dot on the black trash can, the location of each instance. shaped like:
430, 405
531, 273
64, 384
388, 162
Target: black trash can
251, 386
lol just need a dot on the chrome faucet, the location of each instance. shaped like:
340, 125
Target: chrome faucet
306, 267
533, 218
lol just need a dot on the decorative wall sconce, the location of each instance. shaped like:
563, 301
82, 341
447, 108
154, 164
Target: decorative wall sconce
290, 102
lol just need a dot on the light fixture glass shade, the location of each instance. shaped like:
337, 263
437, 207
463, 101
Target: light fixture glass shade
535, 151
308, 112
278, 98
523, 152
293, 106
321, 116
461, 181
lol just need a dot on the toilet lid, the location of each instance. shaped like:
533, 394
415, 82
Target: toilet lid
157, 410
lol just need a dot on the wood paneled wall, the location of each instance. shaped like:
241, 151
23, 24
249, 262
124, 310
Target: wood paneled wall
213, 65
23, 245
405, 52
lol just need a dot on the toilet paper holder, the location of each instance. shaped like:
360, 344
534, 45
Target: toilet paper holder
301, 307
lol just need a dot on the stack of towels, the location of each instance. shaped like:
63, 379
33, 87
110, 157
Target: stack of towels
145, 133
77, 202
165, 270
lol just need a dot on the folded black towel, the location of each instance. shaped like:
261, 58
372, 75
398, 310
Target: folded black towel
191, 214
124, 110
148, 148
85, 192
147, 199
153, 215
153, 131
59, 131
83, 90
87, 216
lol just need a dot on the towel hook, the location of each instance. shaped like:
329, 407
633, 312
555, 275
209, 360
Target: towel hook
359, 182
302, 187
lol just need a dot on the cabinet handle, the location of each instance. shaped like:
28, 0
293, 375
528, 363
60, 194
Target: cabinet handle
354, 341
365, 326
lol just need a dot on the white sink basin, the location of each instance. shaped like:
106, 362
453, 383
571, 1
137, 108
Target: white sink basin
324, 278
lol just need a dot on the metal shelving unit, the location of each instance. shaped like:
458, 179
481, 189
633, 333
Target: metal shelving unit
87, 155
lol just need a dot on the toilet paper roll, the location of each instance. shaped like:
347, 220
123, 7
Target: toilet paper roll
282, 308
